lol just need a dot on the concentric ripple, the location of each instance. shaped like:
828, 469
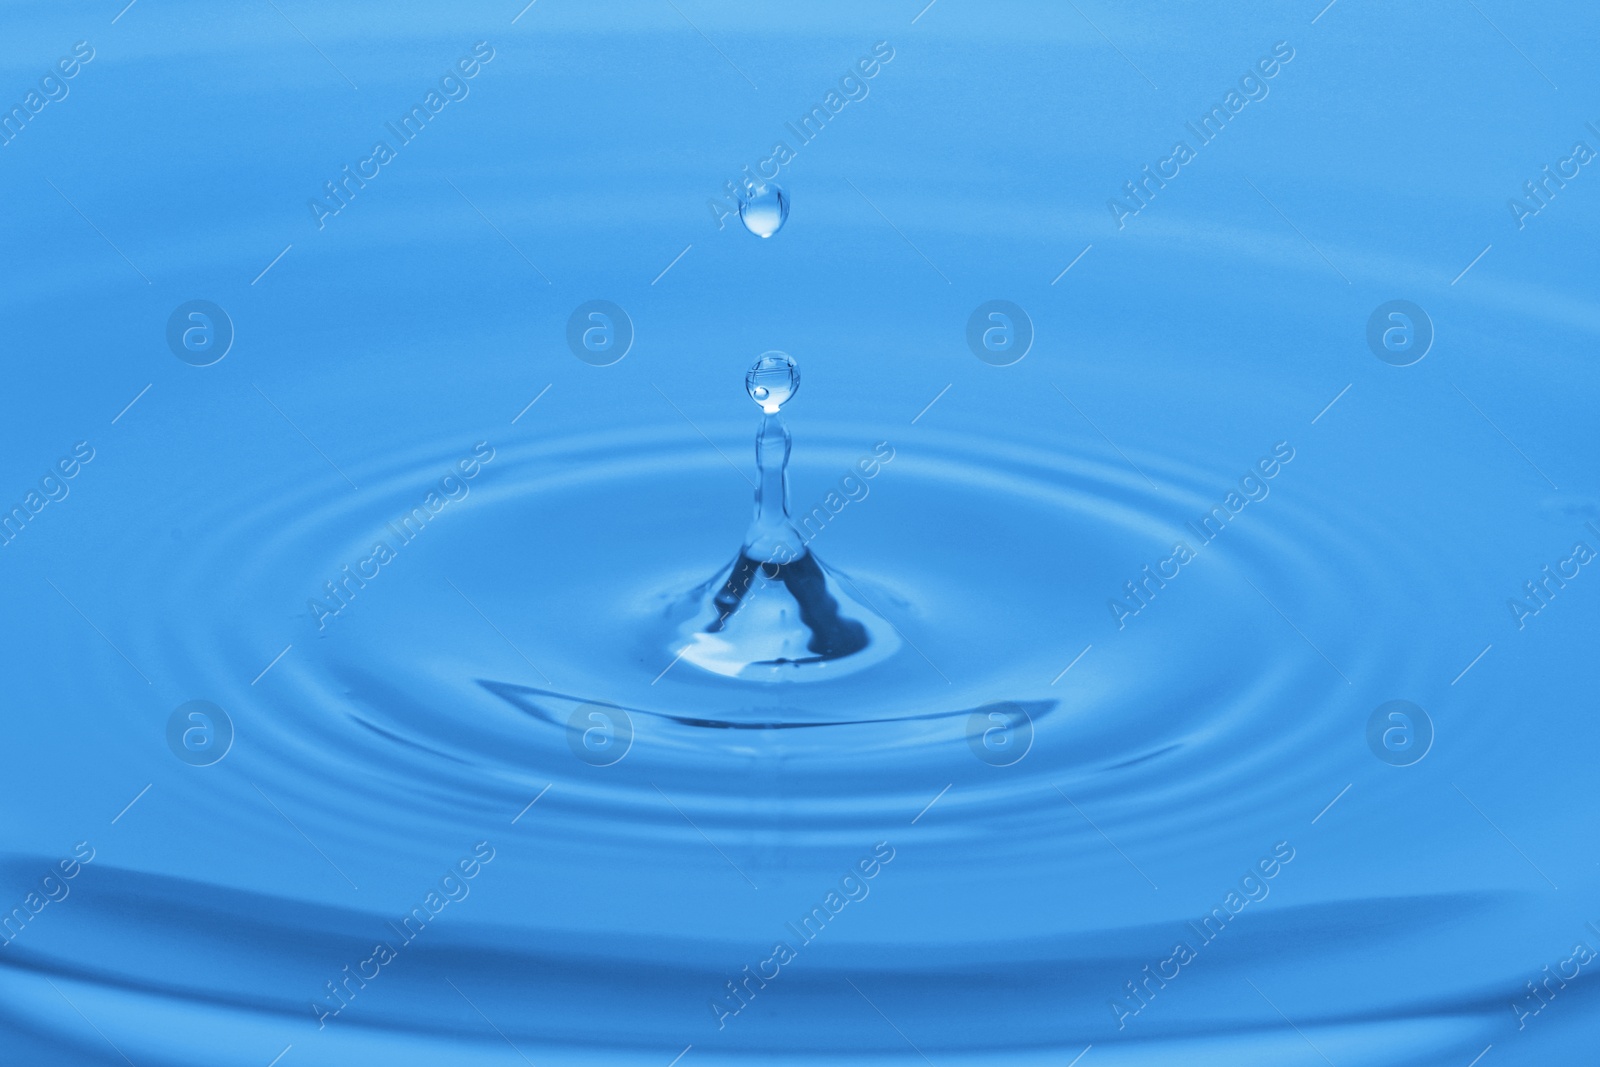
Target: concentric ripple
488, 679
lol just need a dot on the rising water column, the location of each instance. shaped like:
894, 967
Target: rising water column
777, 613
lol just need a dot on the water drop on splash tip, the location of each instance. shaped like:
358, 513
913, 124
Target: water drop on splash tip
776, 613
772, 380
764, 210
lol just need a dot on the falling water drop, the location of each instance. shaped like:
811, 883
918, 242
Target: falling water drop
764, 210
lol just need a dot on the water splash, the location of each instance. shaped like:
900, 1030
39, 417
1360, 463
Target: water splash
776, 613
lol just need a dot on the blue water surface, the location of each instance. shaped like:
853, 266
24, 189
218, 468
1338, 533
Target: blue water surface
1198, 403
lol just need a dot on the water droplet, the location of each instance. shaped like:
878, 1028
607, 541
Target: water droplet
764, 211
772, 381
